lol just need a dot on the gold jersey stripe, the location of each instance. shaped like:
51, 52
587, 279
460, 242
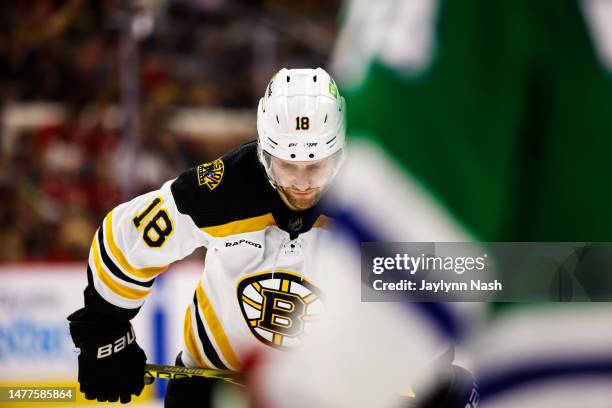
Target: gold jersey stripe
144, 273
241, 226
123, 291
310, 298
251, 302
190, 341
323, 222
216, 329
285, 285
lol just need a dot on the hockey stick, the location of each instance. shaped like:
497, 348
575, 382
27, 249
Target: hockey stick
169, 372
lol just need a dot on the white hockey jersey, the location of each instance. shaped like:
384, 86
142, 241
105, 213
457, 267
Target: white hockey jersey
259, 285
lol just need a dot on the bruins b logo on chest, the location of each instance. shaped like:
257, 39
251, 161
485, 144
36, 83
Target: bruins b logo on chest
280, 307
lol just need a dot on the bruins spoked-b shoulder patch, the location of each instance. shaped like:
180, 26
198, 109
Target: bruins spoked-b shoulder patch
279, 307
210, 174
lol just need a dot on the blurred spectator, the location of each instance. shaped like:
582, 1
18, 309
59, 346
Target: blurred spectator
60, 179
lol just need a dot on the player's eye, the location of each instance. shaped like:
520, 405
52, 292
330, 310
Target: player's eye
288, 166
317, 167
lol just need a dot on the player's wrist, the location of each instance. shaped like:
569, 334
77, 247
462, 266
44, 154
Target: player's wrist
89, 332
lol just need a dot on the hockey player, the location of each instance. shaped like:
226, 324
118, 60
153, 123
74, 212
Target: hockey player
256, 211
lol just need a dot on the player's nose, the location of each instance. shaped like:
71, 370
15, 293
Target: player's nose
302, 180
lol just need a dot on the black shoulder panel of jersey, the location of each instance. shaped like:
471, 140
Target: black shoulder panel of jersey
235, 187
231, 188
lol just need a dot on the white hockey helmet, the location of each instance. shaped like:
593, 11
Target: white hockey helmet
301, 119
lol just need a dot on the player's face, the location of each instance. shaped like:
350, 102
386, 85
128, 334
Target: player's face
301, 183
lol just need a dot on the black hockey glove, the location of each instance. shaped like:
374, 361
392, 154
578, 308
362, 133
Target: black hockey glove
111, 364
457, 389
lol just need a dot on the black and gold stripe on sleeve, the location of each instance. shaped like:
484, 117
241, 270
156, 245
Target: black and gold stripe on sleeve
99, 306
122, 262
114, 269
124, 291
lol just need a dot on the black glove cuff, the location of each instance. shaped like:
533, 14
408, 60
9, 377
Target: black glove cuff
91, 330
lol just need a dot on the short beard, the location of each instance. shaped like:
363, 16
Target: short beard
298, 204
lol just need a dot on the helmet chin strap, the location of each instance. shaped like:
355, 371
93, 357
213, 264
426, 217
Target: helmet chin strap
263, 167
